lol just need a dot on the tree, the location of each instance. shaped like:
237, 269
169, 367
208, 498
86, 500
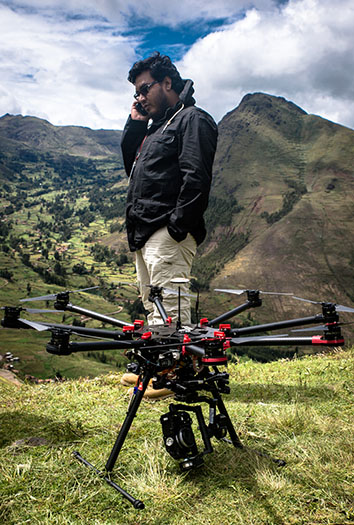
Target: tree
59, 269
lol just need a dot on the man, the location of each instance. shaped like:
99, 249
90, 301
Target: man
168, 147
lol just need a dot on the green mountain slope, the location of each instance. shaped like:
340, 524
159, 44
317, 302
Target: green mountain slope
280, 215
284, 182
62, 200
40, 135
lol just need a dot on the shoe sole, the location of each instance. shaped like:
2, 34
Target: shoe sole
157, 398
152, 398
127, 383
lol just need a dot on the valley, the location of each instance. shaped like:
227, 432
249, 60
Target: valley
280, 218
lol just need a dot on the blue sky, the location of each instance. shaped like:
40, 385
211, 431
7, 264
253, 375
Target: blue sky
172, 41
67, 60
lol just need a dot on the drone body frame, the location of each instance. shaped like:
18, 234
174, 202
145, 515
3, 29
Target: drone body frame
183, 359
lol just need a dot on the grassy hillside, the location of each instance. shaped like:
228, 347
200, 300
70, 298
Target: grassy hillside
300, 411
112, 297
39, 135
62, 200
280, 218
281, 212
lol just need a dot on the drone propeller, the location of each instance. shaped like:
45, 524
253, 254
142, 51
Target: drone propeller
39, 311
240, 292
54, 295
338, 307
172, 292
175, 292
318, 328
34, 310
36, 326
239, 340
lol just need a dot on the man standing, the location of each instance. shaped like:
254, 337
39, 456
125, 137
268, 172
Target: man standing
168, 147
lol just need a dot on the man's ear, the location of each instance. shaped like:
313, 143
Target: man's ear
167, 83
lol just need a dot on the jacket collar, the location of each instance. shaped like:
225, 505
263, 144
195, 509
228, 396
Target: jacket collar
186, 94
185, 99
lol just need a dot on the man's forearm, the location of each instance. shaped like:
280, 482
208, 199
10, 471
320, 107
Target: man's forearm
133, 134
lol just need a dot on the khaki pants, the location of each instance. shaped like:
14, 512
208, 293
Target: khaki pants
159, 261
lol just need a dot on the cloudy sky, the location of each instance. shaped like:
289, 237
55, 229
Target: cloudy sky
67, 60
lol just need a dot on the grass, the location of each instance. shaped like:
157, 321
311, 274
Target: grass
28, 347
299, 410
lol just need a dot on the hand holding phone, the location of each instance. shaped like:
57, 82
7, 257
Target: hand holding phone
138, 112
140, 109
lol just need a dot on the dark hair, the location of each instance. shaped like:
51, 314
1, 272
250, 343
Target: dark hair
160, 66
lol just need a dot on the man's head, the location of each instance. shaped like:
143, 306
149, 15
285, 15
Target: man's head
157, 83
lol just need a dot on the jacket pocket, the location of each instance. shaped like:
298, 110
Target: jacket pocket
161, 147
148, 210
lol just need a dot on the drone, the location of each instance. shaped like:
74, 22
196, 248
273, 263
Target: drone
188, 360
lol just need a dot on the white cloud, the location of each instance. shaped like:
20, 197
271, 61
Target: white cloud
177, 12
67, 61
158, 11
302, 51
60, 70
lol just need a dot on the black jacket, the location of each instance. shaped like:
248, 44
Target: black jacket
170, 167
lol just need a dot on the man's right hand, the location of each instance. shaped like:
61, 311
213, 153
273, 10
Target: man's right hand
136, 115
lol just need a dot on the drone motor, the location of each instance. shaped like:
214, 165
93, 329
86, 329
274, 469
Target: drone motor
59, 343
12, 315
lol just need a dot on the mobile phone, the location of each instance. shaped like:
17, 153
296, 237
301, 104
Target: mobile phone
140, 109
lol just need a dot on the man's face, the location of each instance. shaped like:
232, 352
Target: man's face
155, 102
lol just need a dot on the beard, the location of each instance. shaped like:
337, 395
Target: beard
160, 107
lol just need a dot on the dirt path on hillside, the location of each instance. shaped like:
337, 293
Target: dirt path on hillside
9, 377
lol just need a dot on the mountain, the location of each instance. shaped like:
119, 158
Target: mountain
281, 209
37, 134
62, 199
280, 216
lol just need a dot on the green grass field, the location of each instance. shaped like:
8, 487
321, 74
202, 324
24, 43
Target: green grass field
31, 247
299, 410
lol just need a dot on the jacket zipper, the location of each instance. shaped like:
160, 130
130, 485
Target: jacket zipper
171, 119
141, 145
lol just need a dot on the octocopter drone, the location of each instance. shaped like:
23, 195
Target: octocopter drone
184, 359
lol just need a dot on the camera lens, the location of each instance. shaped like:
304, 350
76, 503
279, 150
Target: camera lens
185, 437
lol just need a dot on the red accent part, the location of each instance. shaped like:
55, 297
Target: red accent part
146, 335
203, 321
214, 360
226, 345
140, 148
169, 320
140, 387
224, 327
317, 340
186, 339
220, 335
128, 329
138, 323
